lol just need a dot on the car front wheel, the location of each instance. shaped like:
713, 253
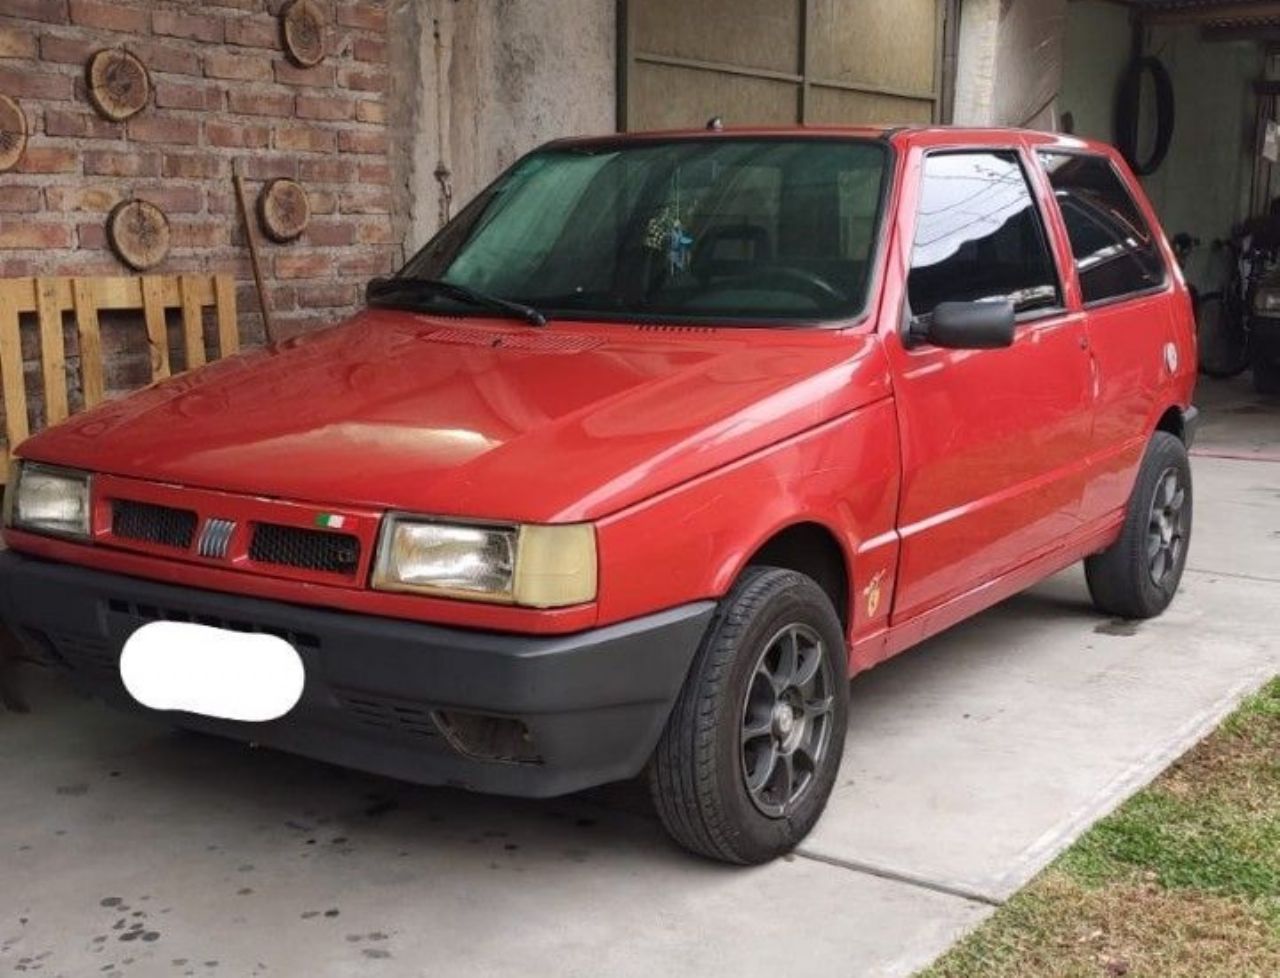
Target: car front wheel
751, 750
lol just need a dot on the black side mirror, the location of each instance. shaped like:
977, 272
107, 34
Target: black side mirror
966, 326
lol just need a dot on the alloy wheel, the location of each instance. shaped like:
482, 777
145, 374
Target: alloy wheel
1167, 527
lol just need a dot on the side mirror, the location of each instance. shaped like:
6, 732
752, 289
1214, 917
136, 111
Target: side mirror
966, 326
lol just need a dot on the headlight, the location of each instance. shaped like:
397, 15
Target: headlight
536, 566
1267, 300
45, 499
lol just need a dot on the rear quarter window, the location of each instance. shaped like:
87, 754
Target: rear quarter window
1114, 249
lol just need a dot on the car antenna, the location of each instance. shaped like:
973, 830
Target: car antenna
715, 124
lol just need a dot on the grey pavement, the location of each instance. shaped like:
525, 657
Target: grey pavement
972, 761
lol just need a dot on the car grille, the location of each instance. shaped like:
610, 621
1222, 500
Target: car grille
314, 550
140, 613
148, 523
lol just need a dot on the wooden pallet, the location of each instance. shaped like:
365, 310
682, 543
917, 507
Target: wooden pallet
49, 298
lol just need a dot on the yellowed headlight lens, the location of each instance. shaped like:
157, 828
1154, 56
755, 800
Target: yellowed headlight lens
534, 566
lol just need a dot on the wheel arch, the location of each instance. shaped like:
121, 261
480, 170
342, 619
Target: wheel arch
1173, 422
815, 550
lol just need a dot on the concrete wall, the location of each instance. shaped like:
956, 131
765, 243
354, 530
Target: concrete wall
477, 83
1009, 62
1203, 185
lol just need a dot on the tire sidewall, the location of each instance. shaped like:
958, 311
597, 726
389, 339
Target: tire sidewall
800, 601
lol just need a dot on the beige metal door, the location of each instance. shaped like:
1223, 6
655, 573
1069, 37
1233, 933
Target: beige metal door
833, 62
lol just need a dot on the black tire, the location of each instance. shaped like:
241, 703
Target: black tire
1266, 372
1129, 579
1129, 108
1223, 350
698, 776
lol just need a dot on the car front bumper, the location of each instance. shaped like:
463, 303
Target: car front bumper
397, 698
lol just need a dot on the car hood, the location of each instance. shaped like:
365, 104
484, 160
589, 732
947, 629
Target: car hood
470, 417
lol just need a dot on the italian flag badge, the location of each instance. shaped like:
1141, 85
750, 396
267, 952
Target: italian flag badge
331, 521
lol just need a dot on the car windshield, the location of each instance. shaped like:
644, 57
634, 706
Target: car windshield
773, 230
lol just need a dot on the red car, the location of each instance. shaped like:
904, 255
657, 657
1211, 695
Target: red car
634, 464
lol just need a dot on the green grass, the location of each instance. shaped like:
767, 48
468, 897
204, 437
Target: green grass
1182, 881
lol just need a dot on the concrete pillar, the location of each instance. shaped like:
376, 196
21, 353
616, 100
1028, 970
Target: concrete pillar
1009, 62
478, 83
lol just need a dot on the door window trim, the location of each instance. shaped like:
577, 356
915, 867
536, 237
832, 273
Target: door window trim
1166, 280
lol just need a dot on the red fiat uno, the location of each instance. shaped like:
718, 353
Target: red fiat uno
634, 464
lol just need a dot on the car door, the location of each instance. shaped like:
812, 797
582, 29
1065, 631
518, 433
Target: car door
1124, 285
993, 441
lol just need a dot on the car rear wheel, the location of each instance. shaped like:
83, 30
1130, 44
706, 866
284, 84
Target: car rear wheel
750, 753
1138, 575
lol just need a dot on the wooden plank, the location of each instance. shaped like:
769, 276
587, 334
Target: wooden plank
153, 303
53, 354
11, 379
91, 378
192, 323
224, 288
109, 292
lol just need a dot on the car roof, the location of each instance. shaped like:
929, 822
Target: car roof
928, 136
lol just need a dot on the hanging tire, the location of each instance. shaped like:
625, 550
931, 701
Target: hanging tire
1138, 575
1129, 110
751, 751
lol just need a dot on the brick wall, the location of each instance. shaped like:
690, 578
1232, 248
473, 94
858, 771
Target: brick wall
222, 90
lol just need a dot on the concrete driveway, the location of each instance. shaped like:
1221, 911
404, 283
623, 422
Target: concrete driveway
127, 850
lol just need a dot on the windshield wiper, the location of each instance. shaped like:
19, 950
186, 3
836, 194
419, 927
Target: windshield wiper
380, 290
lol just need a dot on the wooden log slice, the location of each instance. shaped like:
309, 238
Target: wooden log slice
138, 233
283, 209
13, 133
119, 86
302, 32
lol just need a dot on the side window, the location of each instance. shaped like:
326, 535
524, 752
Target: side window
979, 236
1114, 249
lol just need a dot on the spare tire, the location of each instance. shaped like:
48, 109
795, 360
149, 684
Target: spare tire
1129, 114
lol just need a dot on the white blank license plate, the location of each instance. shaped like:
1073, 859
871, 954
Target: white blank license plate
173, 665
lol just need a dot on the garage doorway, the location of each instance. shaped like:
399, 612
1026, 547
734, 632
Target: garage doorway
782, 62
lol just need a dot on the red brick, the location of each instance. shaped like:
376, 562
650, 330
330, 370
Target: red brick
220, 202
327, 171
161, 129
161, 56
363, 79
328, 296
28, 83
236, 136
17, 42
110, 15
21, 199
66, 50
49, 11
174, 200
270, 167
362, 14
366, 200
196, 27
363, 266
194, 166
209, 235
188, 95
352, 141
305, 139
109, 163
253, 33
25, 234
371, 111
303, 266
321, 76
368, 49
92, 236
374, 232
323, 202
330, 108
240, 67
331, 233
252, 103
80, 125
48, 159
81, 198
284, 298
379, 173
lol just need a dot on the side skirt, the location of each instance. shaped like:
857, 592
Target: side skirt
873, 649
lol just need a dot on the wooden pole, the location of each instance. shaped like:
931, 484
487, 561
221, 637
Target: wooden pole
253, 252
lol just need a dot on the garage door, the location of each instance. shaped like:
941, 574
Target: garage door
780, 62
